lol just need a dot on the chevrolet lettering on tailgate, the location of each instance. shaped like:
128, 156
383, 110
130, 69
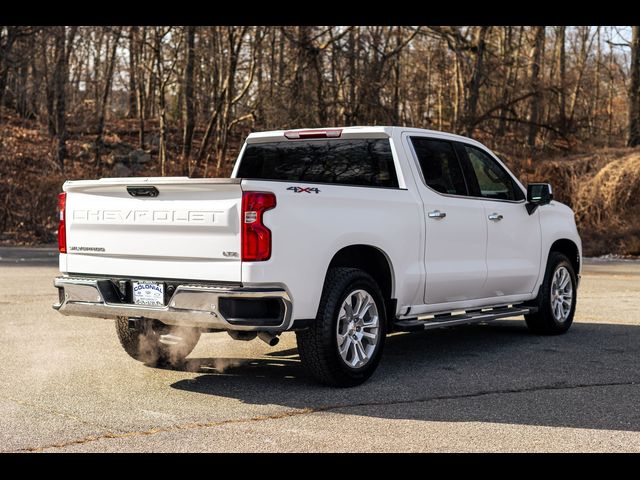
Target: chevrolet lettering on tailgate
144, 216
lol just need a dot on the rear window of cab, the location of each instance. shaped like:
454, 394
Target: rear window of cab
361, 162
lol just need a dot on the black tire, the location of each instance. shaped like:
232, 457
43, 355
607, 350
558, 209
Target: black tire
544, 322
146, 344
318, 345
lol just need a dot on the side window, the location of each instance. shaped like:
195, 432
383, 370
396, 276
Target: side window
440, 166
493, 180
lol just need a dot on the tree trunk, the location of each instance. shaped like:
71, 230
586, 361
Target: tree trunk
22, 100
634, 90
140, 96
457, 91
511, 76
610, 100
133, 104
59, 79
225, 117
259, 102
352, 59
302, 86
395, 107
162, 142
507, 61
97, 67
36, 78
534, 106
585, 48
48, 85
562, 79
162, 106
593, 114
189, 119
105, 94
6, 45
471, 105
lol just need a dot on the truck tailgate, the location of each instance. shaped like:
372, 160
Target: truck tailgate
190, 230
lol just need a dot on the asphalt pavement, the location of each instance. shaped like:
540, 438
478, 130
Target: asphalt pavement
66, 385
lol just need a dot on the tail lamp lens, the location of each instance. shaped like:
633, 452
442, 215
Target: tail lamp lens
256, 237
62, 231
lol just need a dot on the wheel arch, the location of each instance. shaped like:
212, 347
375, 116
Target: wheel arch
568, 248
376, 263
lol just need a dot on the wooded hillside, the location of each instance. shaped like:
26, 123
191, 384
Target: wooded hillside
122, 100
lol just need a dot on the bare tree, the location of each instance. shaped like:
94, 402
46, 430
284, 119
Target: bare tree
634, 90
8, 36
63, 45
477, 75
196, 91
163, 74
562, 77
140, 39
534, 105
105, 93
133, 107
189, 111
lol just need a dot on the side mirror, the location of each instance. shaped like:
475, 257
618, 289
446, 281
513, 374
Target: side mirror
538, 194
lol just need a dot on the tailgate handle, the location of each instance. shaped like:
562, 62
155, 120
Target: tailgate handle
143, 191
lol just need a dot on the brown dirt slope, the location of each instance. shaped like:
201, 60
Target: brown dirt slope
603, 188
30, 178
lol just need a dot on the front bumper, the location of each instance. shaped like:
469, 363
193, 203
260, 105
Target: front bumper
191, 305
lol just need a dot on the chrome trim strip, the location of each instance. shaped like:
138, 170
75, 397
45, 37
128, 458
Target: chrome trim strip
191, 305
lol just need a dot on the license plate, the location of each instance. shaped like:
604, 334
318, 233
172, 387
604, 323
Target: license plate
148, 293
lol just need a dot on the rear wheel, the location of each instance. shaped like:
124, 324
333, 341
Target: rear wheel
155, 343
556, 301
344, 345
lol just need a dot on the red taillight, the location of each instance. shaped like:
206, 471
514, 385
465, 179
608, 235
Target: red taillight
62, 231
300, 134
256, 238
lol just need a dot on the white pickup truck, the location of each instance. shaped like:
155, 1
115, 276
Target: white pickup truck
342, 235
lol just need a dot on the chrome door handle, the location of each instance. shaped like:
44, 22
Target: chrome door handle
437, 214
496, 217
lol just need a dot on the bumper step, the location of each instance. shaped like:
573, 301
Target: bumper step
469, 317
190, 305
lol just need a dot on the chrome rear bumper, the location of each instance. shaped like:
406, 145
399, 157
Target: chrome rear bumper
192, 305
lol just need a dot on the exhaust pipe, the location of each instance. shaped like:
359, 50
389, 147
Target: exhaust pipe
268, 338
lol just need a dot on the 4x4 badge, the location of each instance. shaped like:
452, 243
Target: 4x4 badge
304, 189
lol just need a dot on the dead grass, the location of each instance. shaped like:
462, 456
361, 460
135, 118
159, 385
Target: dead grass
603, 188
607, 205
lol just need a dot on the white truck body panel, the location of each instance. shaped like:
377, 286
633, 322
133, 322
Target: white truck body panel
513, 249
307, 227
192, 230
456, 248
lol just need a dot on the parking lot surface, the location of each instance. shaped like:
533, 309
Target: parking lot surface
67, 385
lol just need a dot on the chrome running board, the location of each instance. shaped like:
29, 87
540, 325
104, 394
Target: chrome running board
468, 317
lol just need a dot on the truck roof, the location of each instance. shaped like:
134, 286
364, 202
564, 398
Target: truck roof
350, 132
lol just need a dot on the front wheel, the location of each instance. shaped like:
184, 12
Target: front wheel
556, 301
155, 343
344, 345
